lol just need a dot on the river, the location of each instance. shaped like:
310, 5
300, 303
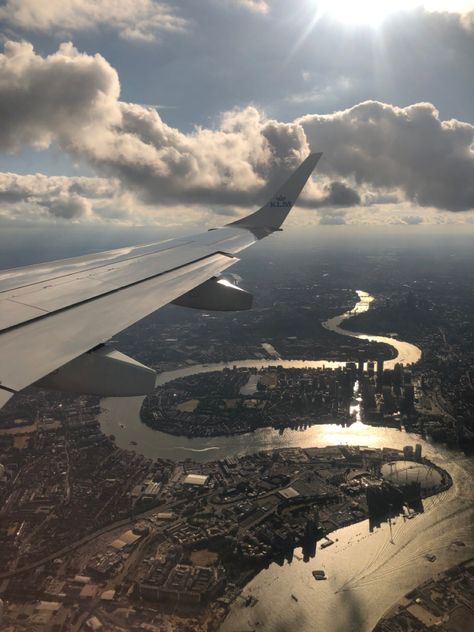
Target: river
406, 352
121, 415
366, 572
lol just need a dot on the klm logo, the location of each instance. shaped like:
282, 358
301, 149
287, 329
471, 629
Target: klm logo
280, 202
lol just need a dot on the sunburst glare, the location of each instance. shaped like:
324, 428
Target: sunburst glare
373, 12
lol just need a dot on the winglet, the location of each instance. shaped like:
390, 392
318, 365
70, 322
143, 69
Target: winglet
271, 216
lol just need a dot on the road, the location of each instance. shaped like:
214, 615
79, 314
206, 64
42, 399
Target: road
92, 536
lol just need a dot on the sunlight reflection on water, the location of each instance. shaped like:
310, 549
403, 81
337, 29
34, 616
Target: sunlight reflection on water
366, 572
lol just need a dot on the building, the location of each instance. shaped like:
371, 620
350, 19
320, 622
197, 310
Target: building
418, 452
408, 451
196, 479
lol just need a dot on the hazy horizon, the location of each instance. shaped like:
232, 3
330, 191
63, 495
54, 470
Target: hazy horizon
29, 244
142, 112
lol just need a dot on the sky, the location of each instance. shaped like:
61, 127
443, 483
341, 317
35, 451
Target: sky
190, 113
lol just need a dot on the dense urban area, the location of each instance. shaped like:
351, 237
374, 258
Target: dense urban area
95, 537
443, 603
241, 400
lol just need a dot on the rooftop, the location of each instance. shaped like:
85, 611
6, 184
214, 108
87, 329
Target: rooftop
196, 479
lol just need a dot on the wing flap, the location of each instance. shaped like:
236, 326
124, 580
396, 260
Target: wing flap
4, 396
105, 372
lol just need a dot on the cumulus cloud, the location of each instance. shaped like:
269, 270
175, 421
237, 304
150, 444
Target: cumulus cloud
333, 203
59, 97
411, 149
132, 19
71, 198
68, 206
72, 99
374, 153
338, 194
82, 199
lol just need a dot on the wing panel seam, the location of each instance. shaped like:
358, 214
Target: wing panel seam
41, 309
8, 389
114, 291
102, 265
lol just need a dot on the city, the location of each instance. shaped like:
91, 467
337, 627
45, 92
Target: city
236, 316
97, 536
241, 400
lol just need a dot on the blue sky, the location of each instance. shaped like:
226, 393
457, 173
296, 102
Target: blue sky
117, 112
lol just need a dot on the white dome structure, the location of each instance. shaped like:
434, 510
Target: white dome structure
404, 472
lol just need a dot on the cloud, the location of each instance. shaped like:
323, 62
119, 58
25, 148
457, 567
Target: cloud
231, 213
411, 149
374, 153
132, 19
338, 194
333, 218
71, 198
322, 95
55, 98
412, 219
90, 200
253, 6
258, 6
68, 206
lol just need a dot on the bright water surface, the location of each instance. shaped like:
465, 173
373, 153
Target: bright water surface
121, 416
366, 572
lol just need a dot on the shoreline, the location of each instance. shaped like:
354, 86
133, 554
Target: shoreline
256, 583
182, 429
247, 573
408, 607
240, 570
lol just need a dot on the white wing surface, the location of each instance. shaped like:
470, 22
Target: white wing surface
56, 318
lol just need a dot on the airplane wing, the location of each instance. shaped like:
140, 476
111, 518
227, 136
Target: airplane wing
56, 318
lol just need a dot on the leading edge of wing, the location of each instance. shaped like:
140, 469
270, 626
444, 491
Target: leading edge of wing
270, 217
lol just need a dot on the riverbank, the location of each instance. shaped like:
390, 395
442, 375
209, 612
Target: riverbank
244, 515
367, 569
335, 516
281, 394
440, 601
406, 352
236, 401
120, 415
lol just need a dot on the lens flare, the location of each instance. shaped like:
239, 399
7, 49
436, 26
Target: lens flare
370, 12
373, 12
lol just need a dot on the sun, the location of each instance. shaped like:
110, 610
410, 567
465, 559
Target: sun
369, 12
